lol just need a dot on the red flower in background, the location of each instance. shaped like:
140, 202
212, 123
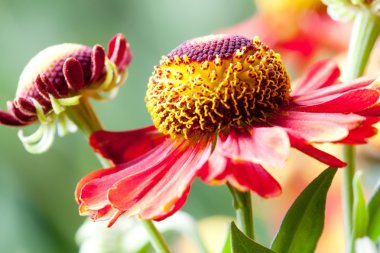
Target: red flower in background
223, 109
299, 30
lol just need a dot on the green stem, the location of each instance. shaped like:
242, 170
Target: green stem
157, 240
364, 34
244, 211
365, 31
348, 194
85, 118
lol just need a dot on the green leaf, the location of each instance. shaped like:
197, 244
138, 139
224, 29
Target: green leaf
303, 224
240, 243
227, 243
373, 230
360, 212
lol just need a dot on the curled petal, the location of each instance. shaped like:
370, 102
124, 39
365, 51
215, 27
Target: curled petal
107, 213
124, 146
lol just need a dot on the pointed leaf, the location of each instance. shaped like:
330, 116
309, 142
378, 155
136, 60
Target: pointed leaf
240, 243
303, 224
227, 243
360, 212
374, 214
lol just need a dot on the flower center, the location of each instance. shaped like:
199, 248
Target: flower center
216, 82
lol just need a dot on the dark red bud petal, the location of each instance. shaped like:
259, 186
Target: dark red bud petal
25, 105
24, 118
97, 62
118, 51
73, 73
8, 119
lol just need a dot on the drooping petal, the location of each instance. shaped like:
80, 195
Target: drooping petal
317, 127
152, 187
321, 74
305, 147
160, 190
122, 147
92, 190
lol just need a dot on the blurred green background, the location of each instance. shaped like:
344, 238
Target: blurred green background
38, 212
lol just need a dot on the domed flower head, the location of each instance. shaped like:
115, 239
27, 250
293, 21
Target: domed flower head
223, 110
57, 78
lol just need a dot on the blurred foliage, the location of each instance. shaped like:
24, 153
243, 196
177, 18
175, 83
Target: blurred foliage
37, 205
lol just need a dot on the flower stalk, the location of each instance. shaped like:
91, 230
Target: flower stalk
87, 121
364, 34
244, 211
363, 37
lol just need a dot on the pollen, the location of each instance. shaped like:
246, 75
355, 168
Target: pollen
216, 82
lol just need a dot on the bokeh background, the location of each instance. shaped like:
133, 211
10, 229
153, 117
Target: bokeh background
38, 212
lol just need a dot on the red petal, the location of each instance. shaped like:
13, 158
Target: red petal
351, 101
372, 111
265, 145
97, 62
333, 90
97, 174
152, 187
317, 127
361, 134
230, 162
125, 146
73, 73
250, 176
119, 52
323, 73
92, 189
303, 146
8, 119
156, 191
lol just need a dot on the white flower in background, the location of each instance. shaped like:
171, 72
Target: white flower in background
128, 235
345, 10
365, 245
